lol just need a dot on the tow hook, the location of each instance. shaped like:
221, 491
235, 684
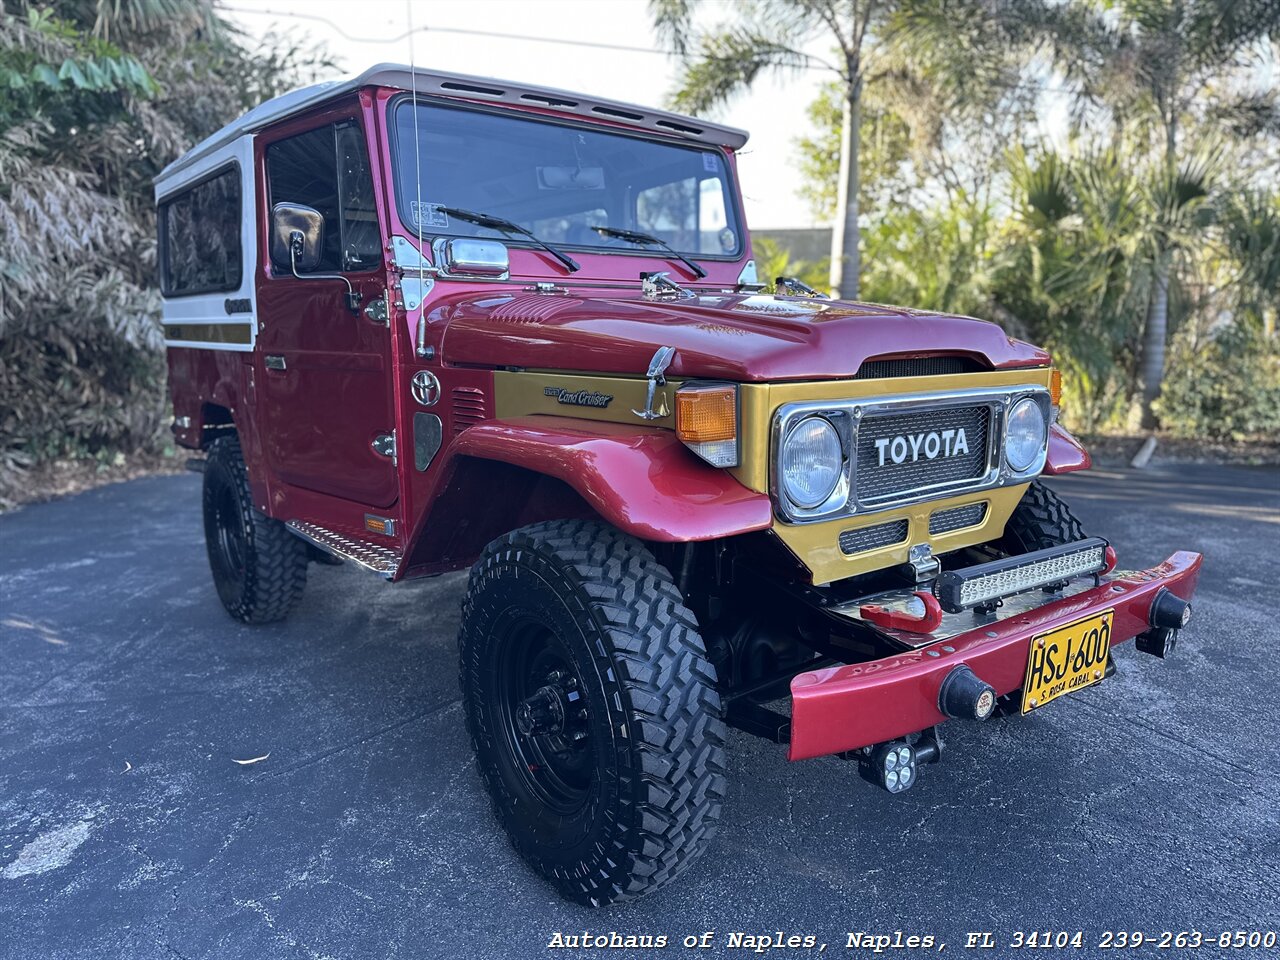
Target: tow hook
895, 765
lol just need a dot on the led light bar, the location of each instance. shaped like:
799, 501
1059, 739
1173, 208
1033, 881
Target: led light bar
986, 583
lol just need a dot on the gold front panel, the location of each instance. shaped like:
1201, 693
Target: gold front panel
520, 394
817, 545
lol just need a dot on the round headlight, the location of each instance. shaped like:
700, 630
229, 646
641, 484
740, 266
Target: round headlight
1025, 434
811, 462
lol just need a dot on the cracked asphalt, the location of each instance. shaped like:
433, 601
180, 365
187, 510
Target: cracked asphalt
1147, 803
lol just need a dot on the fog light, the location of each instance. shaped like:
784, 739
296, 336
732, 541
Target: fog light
1169, 611
964, 697
890, 765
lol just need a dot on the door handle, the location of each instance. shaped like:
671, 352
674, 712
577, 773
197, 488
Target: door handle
273, 361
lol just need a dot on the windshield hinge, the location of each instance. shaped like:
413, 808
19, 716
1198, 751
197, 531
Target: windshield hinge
792, 287
660, 286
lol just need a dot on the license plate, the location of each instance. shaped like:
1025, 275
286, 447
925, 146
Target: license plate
1066, 660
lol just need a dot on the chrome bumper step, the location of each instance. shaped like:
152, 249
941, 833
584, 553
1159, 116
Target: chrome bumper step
371, 556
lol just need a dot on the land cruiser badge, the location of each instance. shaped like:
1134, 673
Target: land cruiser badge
578, 398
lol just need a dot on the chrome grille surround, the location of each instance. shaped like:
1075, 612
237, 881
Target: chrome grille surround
849, 417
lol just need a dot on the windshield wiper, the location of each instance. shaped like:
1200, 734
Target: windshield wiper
636, 236
506, 226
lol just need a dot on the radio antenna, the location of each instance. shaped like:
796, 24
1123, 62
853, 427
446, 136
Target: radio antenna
417, 162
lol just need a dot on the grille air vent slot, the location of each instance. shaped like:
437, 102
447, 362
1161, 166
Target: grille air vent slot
957, 518
917, 367
871, 538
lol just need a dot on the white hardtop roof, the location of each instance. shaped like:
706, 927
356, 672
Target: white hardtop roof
458, 85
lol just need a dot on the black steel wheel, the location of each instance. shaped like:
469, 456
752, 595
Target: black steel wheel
259, 568
1041, 519
593, 709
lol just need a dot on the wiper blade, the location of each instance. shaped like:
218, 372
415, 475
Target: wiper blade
507, 226
635, 236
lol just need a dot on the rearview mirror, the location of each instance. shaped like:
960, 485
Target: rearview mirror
297, 236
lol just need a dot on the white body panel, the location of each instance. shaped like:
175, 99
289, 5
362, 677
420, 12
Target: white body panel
210, 309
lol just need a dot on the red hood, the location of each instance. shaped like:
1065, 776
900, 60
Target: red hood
731, 337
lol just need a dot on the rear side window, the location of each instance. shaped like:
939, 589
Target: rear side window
200, 237
328, 169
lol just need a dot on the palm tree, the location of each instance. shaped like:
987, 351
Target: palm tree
1157, 64
936, 55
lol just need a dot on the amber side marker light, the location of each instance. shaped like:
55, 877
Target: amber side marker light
1055, 392
707, 422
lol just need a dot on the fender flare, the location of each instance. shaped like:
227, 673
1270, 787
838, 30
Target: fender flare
1066, 453
642, 480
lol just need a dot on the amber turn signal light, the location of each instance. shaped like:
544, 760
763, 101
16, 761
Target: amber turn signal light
704, 414
1055, 387
707, 422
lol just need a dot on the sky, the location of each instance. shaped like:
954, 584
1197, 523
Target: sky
364, 32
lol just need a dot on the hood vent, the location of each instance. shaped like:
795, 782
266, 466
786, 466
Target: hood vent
917, 367
532, 309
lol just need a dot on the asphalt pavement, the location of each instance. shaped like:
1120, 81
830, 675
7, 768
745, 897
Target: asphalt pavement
1149, 803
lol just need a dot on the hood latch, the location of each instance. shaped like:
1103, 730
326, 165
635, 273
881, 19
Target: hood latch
657, 378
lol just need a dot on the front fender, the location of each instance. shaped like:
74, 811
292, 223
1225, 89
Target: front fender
1066, 453
642, 480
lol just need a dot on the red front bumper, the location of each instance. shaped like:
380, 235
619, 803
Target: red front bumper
856, 705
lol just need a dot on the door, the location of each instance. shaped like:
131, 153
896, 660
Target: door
324, 371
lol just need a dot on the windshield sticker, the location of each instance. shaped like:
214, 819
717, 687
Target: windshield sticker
711, 163
427, 215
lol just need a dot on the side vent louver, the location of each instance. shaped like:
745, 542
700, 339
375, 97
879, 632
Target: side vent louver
468, 407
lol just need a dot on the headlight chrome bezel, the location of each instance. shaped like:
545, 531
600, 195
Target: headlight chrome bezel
1041, 418
847, 415
838, 489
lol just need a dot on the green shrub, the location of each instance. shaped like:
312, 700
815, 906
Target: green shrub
1227, 387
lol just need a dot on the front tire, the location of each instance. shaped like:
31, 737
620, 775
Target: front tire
259, 568
1041, 519
593, 709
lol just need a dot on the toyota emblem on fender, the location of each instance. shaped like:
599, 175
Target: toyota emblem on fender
426, 388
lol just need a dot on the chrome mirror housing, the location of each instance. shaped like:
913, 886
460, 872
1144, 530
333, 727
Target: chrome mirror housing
466, 257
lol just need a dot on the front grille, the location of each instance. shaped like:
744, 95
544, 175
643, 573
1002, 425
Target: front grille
908, 467
917, 367
869, 538
957, 518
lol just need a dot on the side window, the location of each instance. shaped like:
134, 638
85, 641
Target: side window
328, 169
200, 238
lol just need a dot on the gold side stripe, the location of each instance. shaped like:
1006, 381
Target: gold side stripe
209, 332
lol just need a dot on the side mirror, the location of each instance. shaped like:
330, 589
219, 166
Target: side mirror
466, 257
297, 236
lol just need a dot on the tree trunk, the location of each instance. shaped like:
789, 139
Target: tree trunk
1153, 341
846, 257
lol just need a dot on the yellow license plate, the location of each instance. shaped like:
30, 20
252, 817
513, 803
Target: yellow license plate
1066, 660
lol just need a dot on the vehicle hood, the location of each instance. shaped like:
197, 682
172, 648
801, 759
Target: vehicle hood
727, 336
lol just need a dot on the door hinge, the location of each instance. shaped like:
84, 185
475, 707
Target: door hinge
376, 310
385, 445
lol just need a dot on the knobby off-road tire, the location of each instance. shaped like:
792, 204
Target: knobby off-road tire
1041, 519
614, 784
259, 567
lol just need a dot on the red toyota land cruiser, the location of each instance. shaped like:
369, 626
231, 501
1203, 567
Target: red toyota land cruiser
421, 322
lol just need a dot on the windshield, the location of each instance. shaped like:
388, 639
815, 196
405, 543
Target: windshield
559, 181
